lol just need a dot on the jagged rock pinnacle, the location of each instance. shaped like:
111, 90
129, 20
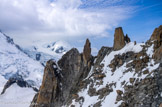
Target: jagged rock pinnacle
50, 87
157, 33
157, 38
119, 41
127, 39
72, 82
87, 51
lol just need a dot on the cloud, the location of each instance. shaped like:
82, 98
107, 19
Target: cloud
29, 20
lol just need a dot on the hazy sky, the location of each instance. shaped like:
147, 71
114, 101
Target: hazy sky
75, 20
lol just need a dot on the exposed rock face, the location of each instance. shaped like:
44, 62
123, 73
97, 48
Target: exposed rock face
158, 54
61, 81
72, 67
144, 93
120, 78
119, 41
157, 33
87, 51
50, 90
156, 37
137, 91
127, 39
101, 54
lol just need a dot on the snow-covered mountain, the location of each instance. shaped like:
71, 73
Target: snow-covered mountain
42, 52
16, 64
39, 56
125, 75
57, 48
129, 74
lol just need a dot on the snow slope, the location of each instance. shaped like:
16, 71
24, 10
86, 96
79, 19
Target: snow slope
117, 77
16, 96
15, 63
54, 50
39, 56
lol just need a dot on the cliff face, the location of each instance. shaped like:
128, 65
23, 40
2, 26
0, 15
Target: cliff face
156, 37
125, 75
119, 39
61, 80
87, 52
50, 90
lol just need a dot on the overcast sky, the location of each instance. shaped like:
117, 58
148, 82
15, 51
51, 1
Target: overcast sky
75, 20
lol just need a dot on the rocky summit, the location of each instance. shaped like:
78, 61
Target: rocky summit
62, 79
87, 51
119, 41
157, 38
129, 74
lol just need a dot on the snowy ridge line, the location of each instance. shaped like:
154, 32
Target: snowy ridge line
15, 62
116, 77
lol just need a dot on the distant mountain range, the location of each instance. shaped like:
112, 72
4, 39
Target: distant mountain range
125, 75
44, 52
16, 66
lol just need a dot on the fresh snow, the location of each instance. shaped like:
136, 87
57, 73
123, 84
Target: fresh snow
14, 63
55, 49
150, 50
88, 101
129, 47
16, 96
2, 83
116, 77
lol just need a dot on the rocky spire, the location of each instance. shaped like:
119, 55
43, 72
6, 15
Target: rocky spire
61, 80
87, 51
127, 39
119, 41
157, 32
50, 90
157, 38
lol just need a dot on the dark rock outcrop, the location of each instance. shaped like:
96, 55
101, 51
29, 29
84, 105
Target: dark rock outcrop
144, 93
119, 39
72, 67
61, 81
127, 39
102, 53
157, 33
87, 52
156, 37
20, 82
140, 83
158, 54
50, 90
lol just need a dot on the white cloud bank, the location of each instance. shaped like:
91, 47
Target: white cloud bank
28, 20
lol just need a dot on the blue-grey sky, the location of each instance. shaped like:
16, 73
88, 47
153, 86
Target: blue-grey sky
75, 20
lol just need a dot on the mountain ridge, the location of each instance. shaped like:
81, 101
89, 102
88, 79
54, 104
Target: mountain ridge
125, 75
19, 74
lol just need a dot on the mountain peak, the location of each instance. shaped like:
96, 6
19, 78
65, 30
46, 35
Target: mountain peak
157, 34
119, 41
87, 51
